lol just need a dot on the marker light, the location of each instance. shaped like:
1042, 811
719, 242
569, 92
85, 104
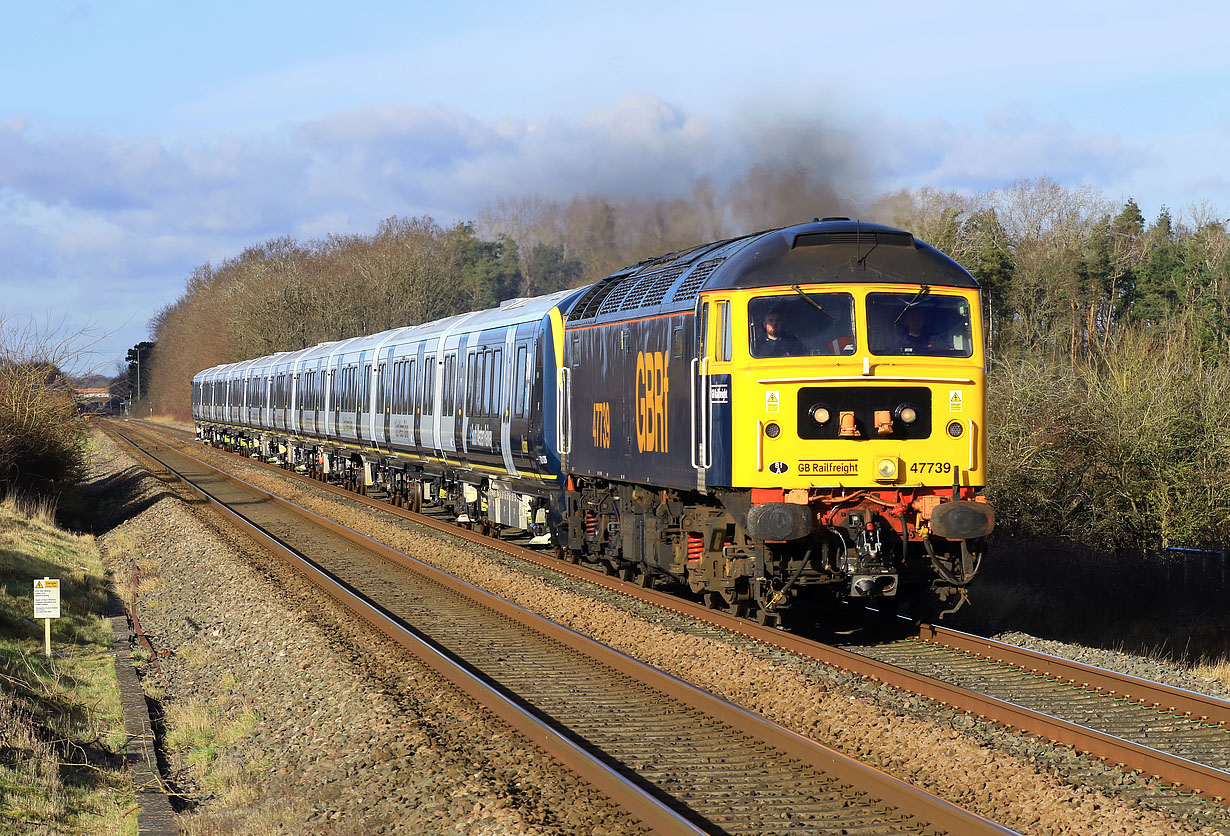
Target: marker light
820, 414
886, 469
906, 413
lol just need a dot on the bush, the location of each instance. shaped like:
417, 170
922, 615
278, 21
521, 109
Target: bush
41, 435
1126, 451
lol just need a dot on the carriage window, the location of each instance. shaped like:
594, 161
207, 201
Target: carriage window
488, 380
802, 325
363, 381
520, 381
919, 324
450, 383
469, 399
497, 389
429, 384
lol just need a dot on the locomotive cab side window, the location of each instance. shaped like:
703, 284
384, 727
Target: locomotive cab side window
802, 325
724, 349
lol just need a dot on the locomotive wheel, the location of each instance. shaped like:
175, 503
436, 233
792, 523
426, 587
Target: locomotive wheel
645, 580
628, 573
715, 600
608, 568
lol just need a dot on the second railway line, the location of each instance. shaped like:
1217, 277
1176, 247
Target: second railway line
1089, 772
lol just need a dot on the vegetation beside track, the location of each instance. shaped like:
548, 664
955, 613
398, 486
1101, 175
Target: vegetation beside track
61, 725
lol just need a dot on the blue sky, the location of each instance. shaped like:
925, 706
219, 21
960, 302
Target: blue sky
140, 139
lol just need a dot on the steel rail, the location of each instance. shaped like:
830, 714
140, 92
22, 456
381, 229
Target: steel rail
892, 791
1171, 769
1190, 704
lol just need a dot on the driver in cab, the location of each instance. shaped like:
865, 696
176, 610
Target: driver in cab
775, 340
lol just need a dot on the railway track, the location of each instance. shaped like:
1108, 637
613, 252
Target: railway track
678, 758
1178, 737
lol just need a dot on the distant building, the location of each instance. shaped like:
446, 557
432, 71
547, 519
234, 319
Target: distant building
94, 400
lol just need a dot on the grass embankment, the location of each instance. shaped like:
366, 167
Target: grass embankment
61, 724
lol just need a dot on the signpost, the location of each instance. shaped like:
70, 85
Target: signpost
47, 604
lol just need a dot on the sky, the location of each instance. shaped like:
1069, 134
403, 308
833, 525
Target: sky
141, 139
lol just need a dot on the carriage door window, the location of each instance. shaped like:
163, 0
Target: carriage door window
450, 384
497, 402
471, 373
520, 381
429, 384
487, 385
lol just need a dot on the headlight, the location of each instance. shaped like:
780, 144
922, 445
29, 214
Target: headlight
772, 430
820, 414
955, 429
886, 469
906, 413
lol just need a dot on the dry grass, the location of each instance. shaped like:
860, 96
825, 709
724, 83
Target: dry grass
201, 735
1215, 670
36, 509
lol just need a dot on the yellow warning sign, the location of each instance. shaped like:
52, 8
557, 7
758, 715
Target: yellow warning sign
772, 401
954, 400
47, 598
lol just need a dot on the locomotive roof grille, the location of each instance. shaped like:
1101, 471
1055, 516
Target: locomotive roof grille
691, 285
657, 284
587, 306
615, 298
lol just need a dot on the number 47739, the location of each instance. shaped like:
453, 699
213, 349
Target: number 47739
931, 467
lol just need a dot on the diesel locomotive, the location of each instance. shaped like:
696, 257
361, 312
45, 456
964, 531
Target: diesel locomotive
777, 422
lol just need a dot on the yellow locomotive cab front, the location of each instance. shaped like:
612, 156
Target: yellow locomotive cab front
829, 389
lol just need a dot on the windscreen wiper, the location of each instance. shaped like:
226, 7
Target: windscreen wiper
810, 301
923, 290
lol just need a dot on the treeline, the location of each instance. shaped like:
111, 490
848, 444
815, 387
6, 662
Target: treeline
287, 294
1106, 330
